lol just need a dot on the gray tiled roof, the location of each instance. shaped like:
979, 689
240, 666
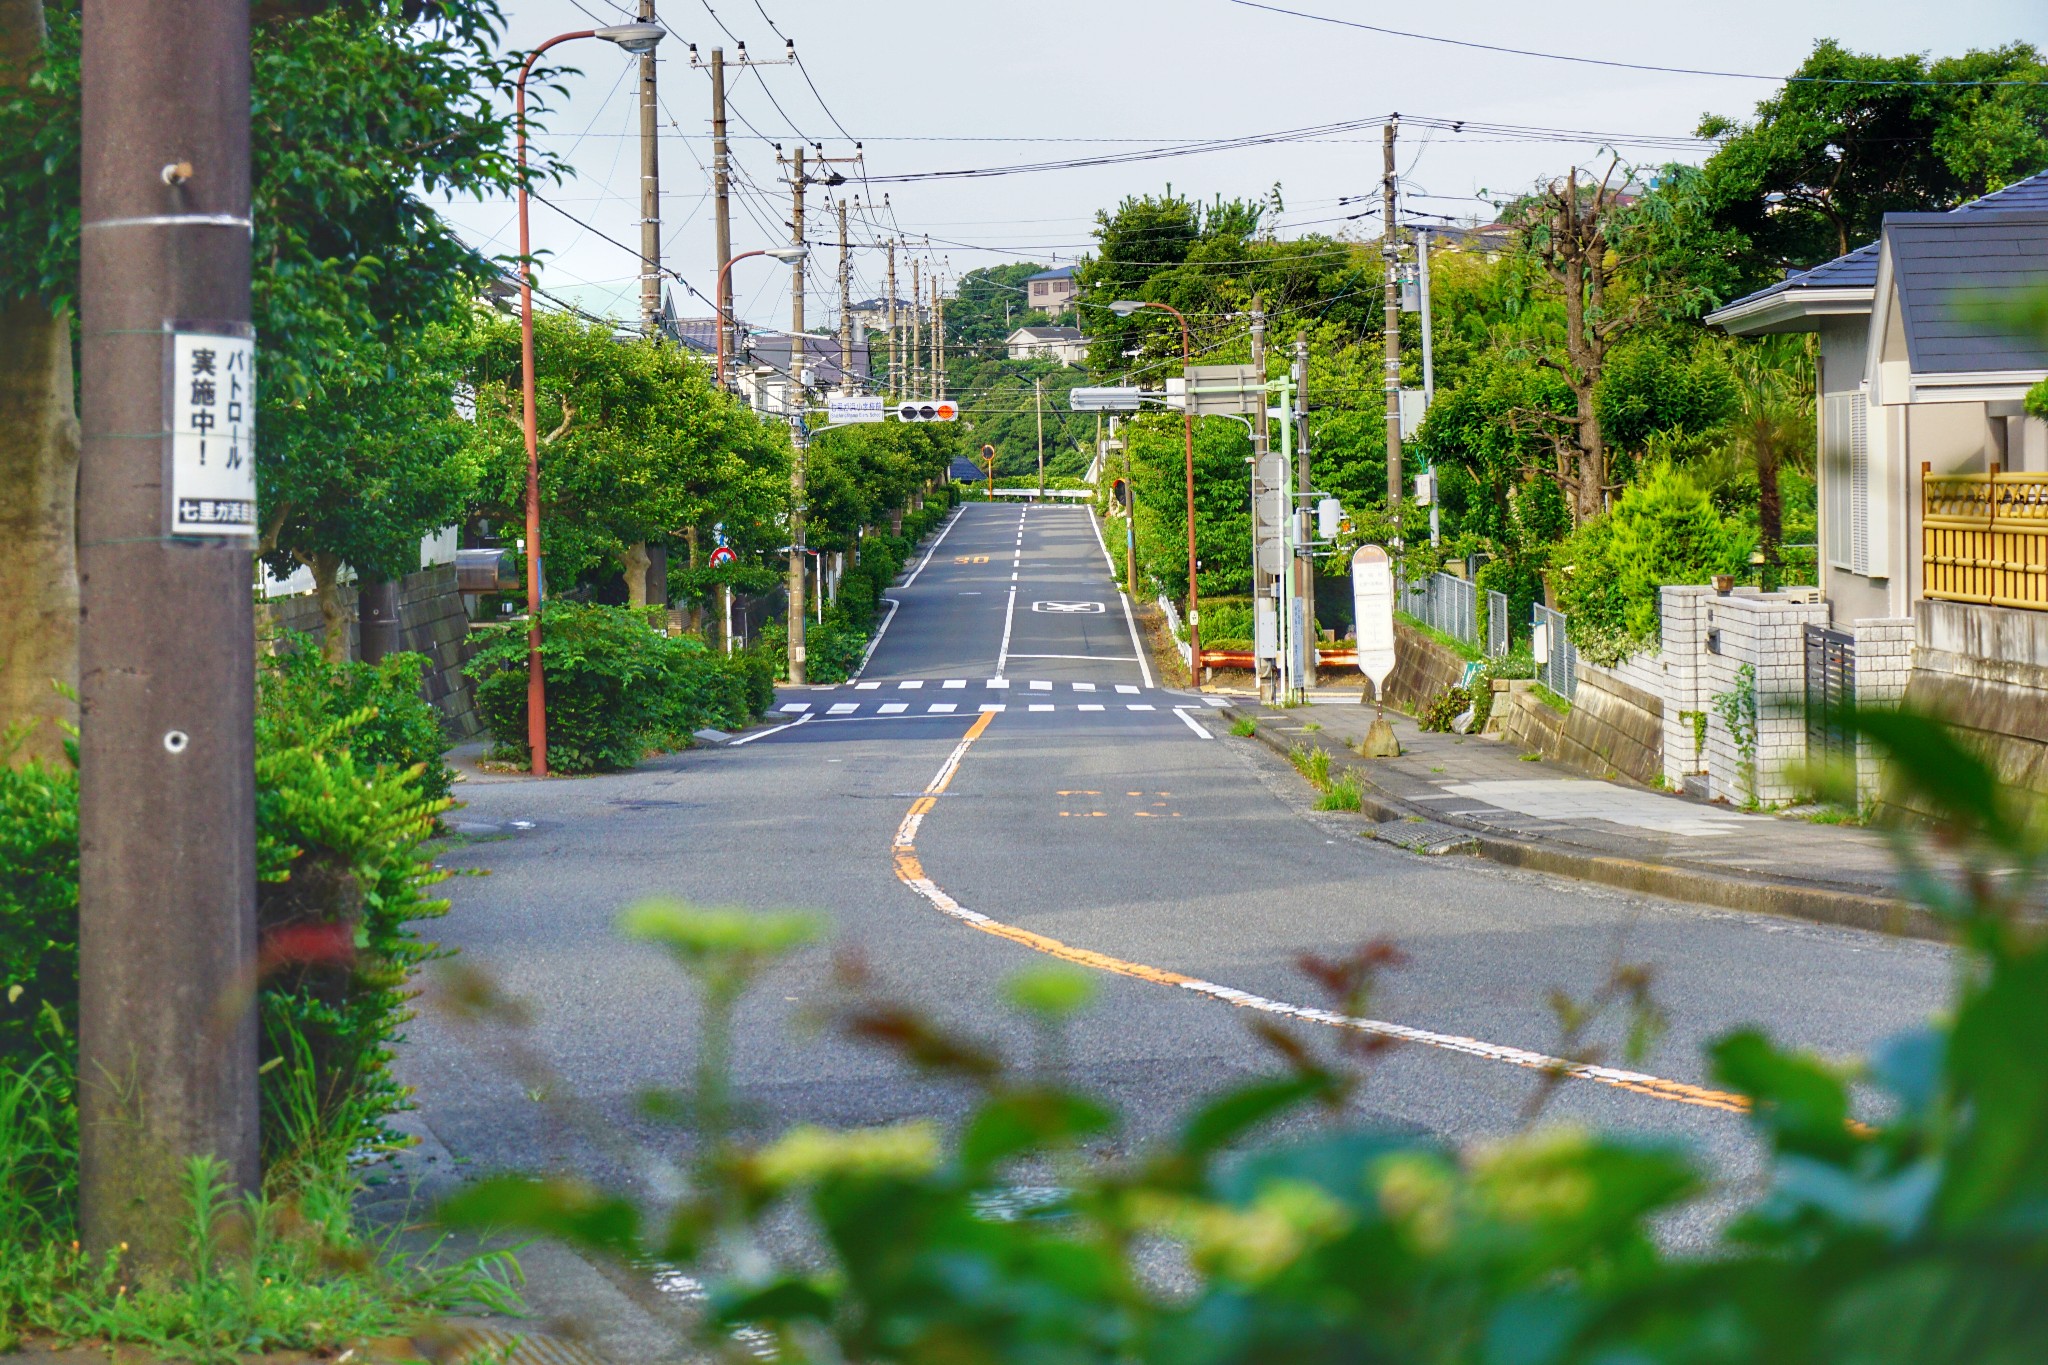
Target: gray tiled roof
1945, 267
1858, 269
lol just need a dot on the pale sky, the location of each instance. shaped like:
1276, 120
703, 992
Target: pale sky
932, 85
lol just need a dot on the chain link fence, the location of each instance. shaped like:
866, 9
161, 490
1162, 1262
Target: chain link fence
1559, 669
1446, 604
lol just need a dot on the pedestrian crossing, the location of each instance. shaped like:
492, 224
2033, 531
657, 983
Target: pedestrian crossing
1038, 696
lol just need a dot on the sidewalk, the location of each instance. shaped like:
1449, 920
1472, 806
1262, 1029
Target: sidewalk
1466, 793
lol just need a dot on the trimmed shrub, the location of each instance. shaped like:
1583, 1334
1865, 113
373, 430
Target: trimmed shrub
38, 909
397, 726
617, 687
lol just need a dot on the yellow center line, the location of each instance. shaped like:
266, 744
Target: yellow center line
911, 873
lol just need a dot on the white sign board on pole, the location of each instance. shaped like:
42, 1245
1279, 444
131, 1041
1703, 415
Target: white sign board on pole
212, 412
853, 407
1372, 601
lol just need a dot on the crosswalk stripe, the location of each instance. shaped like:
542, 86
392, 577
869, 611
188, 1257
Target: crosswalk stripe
865, 687
940, 708
912, 685
1140, 706
998, 682
1041, 686
1084, 687
1128, 689
796, 708
842, 708
891, 708
1041, 706
992, 706
954, 682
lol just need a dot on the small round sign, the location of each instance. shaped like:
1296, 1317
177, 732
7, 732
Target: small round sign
722, 555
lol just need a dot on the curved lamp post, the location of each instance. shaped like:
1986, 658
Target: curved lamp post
1123, 308
788, 255
635, 38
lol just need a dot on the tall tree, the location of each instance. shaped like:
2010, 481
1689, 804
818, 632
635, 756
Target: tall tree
38, 414
1853, 137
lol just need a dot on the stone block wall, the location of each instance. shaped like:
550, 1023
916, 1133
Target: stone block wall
1884, 664
1766, 634
431, 621
1614, 729
1422, 668
1984, 670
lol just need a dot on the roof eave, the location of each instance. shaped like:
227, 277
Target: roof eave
1790, 310
1975, 386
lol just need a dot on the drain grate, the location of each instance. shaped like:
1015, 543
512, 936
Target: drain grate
1424, 836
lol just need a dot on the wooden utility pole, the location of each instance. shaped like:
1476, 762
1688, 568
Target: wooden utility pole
721, 200
167, 650
1038, 405
845, 309
795, 389
895, 380
1390, 248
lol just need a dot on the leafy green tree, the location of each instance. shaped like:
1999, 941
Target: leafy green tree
364, 462
1000, 406
1854, 137
1223, 513
635, 446
363, 112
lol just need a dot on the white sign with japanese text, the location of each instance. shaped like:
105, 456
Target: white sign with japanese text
213, 434
842, 407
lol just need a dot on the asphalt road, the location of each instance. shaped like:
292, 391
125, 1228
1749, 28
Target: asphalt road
1005, 781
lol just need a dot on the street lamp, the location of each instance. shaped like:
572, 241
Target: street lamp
635, 38
1123, 308
788, 255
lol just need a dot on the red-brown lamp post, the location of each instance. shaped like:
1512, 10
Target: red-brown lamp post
634, 38
1123, 308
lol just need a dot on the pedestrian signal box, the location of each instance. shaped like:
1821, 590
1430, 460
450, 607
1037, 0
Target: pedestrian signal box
938, 410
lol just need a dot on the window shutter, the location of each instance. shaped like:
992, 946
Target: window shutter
1859, 485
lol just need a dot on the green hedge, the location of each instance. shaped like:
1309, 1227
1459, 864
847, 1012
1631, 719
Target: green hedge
617, 687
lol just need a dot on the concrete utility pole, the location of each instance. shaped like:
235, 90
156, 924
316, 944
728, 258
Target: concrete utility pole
797, 400
721, 199
916, 331
1038, 405
1304, 569
167, 806
1390, 248
938, 370
895, 380
845, 309
650, 191
1436, 529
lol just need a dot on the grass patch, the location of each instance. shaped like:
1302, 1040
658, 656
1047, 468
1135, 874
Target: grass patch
1450, 642
1532, 758
1551, 699
1244, 727
1341, 794
1313, 764
1313, 725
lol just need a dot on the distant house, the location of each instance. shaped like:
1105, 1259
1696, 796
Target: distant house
1051, 291
967, 470
872, 315
759, 369
1064, 344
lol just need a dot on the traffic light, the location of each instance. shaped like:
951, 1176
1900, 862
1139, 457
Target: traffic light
938, 410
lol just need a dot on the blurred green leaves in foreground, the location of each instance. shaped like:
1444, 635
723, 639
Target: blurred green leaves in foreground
1901, 1214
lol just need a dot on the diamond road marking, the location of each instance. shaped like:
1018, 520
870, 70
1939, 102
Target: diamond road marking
940, 708
865, 687
796, 708
891, 708
1084, 687
992, 706
843, 708
1575, 799
1141, 706
1041, 686
912, 685
1127, 689
1041, 706
1090, 706
954, 682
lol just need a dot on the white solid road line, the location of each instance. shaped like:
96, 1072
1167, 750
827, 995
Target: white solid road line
1192, 723
1009, 619
1088, 658
957, 512
1130, 621
771, 730
869, 652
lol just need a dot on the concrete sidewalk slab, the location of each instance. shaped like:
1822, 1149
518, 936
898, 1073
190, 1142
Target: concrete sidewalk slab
1519, 810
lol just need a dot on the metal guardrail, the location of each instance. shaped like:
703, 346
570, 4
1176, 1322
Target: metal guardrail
1984, 538
1559, 670
1499, 630
1446, 604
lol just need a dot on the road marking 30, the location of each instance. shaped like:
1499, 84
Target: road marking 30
911, 873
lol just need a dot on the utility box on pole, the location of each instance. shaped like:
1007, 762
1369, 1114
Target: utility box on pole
166, 529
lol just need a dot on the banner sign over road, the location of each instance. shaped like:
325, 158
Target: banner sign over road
852, 407
211, 411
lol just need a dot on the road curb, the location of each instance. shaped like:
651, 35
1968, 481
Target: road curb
1758, 893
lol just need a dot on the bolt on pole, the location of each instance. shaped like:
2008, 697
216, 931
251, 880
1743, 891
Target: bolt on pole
167, 816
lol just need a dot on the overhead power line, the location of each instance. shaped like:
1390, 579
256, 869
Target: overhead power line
1598, 61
